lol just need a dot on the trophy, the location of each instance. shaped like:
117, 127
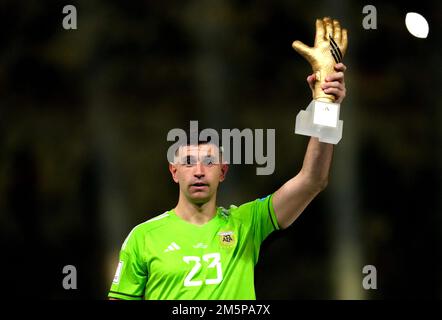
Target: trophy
321, 118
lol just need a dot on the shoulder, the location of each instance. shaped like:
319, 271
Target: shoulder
141, 230
248, 205
248, 208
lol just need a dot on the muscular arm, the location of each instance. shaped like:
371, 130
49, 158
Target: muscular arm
292, 198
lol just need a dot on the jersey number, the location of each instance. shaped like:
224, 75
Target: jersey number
213, 260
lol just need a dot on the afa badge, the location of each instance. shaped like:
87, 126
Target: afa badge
227, 239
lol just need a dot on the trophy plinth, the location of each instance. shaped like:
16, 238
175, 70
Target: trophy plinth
320, 120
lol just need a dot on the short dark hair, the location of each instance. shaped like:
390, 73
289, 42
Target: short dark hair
198, 144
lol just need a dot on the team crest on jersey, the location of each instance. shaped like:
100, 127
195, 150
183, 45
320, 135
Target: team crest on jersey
227, 239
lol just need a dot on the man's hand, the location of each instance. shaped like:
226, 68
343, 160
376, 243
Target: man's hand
330, 46
334, 83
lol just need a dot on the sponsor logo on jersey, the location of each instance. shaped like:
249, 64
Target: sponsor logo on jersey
227, 239
200, 245
172, 247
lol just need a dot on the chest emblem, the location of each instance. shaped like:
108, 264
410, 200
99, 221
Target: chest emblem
227, 239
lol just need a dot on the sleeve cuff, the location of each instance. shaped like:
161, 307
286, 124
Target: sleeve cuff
123, 296
272, 214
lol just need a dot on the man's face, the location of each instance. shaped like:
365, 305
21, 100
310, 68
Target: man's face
198, 169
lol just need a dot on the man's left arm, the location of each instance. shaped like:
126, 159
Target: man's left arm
292, 198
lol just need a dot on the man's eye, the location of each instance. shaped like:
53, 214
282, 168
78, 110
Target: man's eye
209, 161
189, 161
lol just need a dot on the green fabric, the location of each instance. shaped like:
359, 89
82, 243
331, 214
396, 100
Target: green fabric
169, 258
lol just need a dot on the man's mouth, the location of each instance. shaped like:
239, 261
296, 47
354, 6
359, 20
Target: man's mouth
199, 184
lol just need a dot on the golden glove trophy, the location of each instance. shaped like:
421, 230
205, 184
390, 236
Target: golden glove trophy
321, 118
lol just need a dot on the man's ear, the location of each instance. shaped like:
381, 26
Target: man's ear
173, 170
224, 169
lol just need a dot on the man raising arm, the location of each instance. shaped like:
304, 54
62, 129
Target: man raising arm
199, 250
293, 197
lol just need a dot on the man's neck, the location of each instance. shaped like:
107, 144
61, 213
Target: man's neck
198, 214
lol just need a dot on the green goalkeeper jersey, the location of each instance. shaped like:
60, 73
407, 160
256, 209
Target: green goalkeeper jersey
169, 258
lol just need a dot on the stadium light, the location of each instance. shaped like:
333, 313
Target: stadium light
417, 25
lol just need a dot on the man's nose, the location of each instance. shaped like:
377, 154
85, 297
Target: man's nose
199, 170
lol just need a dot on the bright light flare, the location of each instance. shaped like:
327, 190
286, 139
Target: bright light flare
417, 25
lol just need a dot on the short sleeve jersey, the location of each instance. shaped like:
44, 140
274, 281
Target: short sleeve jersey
169, 258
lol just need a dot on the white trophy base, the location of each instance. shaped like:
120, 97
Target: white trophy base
320, 120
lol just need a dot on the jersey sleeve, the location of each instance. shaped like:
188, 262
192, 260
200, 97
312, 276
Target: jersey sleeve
264, 219
131, 275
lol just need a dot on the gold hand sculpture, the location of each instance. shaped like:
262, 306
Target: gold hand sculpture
330, 46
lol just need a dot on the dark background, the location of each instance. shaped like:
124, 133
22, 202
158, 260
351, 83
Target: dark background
84, 116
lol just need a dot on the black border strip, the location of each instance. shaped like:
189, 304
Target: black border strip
336, 48
270, 213
334, 56
125, 294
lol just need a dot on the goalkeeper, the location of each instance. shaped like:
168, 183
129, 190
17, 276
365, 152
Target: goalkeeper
200, 251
